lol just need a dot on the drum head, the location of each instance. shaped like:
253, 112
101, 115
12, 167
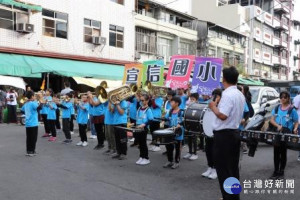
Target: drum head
164, 132
208, 120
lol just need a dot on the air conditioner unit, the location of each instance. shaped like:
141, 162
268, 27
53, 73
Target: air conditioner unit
25, 28
99, 40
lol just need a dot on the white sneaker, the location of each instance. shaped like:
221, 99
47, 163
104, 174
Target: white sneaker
145, 162
207, 173
213, 174
72, 133
84, 144
94, 137
138, 162
187, 156
131, 140
79, 143
150, 147
299, 158
193, 157
156, 149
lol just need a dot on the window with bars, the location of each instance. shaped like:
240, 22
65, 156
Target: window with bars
116, 36
92, 28
145, 41
9, 18
164, 47
55, 24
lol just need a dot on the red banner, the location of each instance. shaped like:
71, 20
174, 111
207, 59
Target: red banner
179, 71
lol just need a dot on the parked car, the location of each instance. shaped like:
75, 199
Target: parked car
262, 96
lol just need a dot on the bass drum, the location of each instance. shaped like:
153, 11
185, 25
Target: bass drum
208, 119
192, 119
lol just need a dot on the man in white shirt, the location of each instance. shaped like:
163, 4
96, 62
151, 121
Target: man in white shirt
226, 134
296, 103
66, 90
11, 98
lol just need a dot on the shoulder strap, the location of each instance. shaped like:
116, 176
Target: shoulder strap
290, 110
276, 109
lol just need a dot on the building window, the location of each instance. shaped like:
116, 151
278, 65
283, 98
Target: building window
283, 70
185, 48
55, 24
6, 19
92, 28
116, 36
118, 1
145, 41
9, 18
164, 47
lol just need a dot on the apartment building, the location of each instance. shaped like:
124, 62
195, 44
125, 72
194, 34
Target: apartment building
161, 32
268, 25
295, 43
93, 31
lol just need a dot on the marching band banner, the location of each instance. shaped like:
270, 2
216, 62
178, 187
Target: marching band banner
153, 71
133, 74
207, 74
179, 71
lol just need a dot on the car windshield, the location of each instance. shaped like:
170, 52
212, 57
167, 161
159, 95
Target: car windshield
254, 93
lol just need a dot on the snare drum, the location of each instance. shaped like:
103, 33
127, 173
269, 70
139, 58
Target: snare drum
193, 119
163, 137
292, 141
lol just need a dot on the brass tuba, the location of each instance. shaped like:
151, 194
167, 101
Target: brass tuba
101, 92
120, 94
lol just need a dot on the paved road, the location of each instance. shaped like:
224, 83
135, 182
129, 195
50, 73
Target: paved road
67, 172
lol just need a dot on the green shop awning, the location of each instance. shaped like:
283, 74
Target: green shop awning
63, 67
21, 5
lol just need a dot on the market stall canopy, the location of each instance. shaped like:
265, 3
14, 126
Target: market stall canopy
12, 81
20, 4
96, 82
63, 67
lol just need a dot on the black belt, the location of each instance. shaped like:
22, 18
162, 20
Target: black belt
226, 131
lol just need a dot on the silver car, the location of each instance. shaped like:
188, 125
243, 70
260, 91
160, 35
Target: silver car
262, 95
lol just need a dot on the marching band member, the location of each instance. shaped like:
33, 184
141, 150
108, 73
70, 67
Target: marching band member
184, 98
44, 113
143, 119
51, 118
82, 119
120, 119
211, 172
284, 119
109, 129
156, 106
30, 109
134, 106
167, 104
72, 114
175, 118
92, 126
57, 122
226, 134
66, 107
98, 120
192, 141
